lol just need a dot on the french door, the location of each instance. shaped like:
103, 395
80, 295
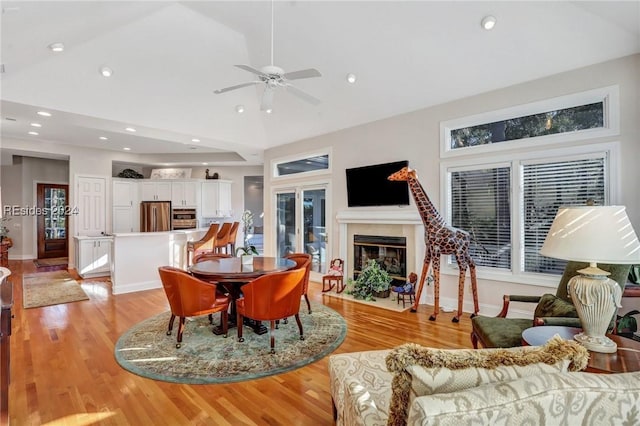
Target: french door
301, 223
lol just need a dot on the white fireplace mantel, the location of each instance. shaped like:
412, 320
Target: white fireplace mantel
395, 217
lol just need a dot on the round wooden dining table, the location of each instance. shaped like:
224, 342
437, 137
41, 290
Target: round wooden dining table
232, 274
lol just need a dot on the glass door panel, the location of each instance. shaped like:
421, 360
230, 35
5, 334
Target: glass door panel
314, 229
286, 223
52, 220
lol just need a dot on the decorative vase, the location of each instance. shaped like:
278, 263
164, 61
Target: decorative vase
247, 259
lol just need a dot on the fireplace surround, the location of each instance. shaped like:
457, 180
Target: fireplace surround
405, 223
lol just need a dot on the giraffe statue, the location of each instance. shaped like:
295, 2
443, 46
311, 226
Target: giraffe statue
440, 239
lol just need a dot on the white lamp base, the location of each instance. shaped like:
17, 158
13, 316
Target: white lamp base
596, 299
600, 344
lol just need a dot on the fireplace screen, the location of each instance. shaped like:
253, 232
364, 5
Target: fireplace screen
389, 252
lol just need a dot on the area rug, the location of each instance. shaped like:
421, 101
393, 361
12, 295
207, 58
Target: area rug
54, 261
206, 358
50, 288
390, 303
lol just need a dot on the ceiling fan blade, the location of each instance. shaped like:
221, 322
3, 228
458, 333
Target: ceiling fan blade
251, 69
303, 95
238, 86
267, 99
296, 75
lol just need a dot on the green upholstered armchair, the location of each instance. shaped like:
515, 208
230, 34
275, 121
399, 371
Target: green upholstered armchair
503, 332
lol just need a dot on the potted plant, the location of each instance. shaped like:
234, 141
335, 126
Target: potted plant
247, 253
372, 282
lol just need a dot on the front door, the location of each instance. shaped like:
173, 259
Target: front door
53, 224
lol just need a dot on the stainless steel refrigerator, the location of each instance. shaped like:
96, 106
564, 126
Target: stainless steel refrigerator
155, 216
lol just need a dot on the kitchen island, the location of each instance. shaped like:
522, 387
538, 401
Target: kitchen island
136, 257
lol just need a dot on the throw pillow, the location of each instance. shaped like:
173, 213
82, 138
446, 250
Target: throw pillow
424, 371
552, 306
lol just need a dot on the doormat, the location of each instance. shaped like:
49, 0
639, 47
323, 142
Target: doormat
50, 288
390, 303
54, 261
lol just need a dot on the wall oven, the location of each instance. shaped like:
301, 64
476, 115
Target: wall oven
184, 219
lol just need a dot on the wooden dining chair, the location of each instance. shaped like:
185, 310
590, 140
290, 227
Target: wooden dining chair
189, 296
303, 260
220, 244
204, 244
270, 298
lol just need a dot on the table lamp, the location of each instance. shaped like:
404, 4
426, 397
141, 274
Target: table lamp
593, 234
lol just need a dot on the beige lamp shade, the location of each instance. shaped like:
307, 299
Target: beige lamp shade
601, 234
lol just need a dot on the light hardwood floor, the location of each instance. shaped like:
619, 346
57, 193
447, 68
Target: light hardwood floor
63, 370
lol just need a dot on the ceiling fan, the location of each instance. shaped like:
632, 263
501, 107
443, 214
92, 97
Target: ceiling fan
273, 77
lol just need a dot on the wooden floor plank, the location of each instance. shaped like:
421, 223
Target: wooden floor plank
63, 369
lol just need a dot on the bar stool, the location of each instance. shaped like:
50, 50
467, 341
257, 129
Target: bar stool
204, 244
233, 234
222, 238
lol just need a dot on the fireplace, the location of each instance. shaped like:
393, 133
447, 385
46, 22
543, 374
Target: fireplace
389, 252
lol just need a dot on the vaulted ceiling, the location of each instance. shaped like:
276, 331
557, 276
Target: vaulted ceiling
169, 57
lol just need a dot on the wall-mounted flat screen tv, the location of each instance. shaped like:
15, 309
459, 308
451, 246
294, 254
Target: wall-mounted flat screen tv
368, 186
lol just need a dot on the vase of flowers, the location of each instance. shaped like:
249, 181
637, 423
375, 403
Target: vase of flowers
372, 282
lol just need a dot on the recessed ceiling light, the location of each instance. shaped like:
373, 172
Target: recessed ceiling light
44, 113
56, 47
106, 71
205, 164
130, 129
488, 22
34, 133
35, 125
351, 78
268, 110
195, 140
127, 149
103, 138
239, 109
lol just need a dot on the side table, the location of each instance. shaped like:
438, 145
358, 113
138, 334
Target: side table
626, 359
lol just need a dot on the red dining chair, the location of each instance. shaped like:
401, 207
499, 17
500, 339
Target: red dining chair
271, 297
189, 297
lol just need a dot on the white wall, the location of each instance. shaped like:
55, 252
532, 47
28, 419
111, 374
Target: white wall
415, 136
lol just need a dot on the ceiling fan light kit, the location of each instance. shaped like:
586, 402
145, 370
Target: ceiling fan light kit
274, 77
488, 22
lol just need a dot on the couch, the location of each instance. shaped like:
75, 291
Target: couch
415, 385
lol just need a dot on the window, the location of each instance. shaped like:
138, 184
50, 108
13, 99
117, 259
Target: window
482, 200
564, 120
585, 115
480, 204
547, 187
302, 164
507, 199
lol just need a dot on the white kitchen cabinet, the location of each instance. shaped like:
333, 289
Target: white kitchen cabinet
184, 194
216, 199
125, 206
93, 256
123, 219
124, 193
156, 191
